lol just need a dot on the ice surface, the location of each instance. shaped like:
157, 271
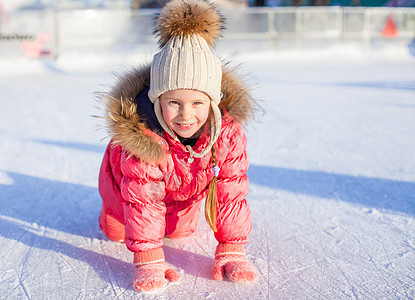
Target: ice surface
332, 182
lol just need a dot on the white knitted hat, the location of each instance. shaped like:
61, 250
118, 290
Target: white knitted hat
186, 62
187, 30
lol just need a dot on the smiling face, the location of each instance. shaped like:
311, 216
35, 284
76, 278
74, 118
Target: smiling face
185, 111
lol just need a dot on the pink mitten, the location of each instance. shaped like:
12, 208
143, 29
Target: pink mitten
151, 272
230, 260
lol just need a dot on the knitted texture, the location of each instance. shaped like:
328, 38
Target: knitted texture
230, 260
186, 62
151, 272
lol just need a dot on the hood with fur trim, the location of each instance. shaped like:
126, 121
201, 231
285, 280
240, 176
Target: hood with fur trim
129, 129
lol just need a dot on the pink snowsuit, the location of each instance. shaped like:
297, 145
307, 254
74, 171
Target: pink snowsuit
147, 181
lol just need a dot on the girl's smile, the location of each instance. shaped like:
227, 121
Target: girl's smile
185, 111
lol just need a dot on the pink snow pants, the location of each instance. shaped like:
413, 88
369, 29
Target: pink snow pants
181, 223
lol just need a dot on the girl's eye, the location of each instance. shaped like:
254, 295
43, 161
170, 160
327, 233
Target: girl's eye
174, 102
197, 103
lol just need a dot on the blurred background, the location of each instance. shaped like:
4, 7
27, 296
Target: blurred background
52, 28
137, 4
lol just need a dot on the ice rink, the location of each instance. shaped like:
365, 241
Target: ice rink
332, 181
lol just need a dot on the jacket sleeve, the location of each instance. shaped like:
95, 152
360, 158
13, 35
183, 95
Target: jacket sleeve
234, 217
143, 189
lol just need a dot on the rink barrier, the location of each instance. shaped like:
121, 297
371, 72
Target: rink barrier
248, 28
336, 24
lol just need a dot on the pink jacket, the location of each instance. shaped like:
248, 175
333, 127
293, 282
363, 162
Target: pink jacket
146, 181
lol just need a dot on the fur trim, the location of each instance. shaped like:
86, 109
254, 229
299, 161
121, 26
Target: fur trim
243, 105
124, 124
129, 131
186, 17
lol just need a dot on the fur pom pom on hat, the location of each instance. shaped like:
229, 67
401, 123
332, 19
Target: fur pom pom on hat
187, 31
180, 18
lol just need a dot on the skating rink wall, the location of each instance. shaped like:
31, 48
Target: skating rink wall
55, 32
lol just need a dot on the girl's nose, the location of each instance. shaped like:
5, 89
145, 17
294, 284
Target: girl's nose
185, 112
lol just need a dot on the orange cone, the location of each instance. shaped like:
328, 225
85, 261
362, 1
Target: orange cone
390, 29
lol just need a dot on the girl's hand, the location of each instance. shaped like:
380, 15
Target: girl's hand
230, 260
151, 272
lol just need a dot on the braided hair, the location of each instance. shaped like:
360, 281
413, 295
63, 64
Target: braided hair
211, 204
212, 196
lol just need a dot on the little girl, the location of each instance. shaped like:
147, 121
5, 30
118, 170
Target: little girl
176, 140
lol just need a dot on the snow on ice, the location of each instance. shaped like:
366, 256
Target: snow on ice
332, 182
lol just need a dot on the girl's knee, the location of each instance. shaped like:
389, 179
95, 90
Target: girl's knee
113, 228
